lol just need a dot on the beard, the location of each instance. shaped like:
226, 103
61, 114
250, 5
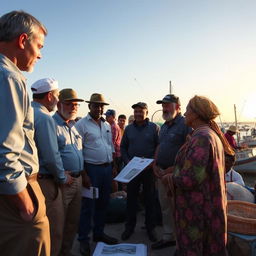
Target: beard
167, 116
67, 115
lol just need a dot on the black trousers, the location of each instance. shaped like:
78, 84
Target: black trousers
147, 179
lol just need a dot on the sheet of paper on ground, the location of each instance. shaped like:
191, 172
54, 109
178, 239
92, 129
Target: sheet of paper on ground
103, 249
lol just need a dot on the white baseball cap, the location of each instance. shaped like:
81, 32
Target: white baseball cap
44, 85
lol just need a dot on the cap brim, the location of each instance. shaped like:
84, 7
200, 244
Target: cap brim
164, 101
98, 102
139, 106
80, 100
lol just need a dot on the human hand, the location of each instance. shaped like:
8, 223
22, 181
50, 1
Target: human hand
166, 178
24, 203
114, 171
86, 180
157, 171
69, 179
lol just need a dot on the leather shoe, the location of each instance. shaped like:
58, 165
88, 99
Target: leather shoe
105, 239
152, 235
126, 234
85, 249
162, 244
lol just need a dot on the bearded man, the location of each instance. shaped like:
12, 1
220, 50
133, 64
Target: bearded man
172, 136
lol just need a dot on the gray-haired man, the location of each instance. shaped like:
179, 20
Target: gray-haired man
51, 170
24, 227
172, 136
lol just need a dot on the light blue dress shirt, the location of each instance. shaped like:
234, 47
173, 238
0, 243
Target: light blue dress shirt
46, 141
70, 145
18, 153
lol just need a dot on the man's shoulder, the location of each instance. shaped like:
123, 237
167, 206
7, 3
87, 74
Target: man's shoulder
43, 117
83, 120
129, 127
10, 76
178, 124
180, 120
116, 126
106, 124
153, 125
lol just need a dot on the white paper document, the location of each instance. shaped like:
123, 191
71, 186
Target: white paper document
133, 168
103, 249
91, 192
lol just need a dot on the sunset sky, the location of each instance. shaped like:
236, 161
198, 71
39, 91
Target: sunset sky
129, 50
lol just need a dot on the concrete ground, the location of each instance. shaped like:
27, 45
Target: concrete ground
138, 237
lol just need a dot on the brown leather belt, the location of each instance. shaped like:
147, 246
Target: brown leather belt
45, 176
50, 176
75, 174
32, 177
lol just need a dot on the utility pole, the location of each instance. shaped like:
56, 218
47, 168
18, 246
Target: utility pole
170, 87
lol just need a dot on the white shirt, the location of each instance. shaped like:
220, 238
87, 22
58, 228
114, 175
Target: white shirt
97, 140
233, 176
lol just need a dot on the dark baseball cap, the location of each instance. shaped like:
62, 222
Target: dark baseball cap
140, 105
169, 98
110, 112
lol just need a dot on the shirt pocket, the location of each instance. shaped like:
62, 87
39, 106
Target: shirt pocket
62, 141
78, 141
175, 138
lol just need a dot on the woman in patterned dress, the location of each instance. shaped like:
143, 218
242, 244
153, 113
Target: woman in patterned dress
198, 184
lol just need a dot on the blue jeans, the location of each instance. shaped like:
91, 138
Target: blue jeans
95, 209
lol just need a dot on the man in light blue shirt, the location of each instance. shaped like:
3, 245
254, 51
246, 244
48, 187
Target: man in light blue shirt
70, 147
51, 170
23, 218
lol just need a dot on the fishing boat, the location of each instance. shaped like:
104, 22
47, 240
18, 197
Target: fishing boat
249, 140
246, 161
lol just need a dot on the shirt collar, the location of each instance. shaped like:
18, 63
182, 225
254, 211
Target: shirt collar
89, 117
59, 119
39, 105
144, 124
175, 120
5, 60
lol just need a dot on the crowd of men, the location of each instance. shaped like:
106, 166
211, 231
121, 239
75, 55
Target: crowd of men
49, 158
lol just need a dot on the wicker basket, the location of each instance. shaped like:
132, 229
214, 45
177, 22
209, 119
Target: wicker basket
242, 217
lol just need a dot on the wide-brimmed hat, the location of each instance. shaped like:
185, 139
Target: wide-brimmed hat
44, 85
69, 95
142, 105
97, 98
169, 98
233, 128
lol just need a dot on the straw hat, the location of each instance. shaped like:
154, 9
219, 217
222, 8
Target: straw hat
97, 98
232, 128
68, 95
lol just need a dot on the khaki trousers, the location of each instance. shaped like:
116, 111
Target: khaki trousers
19, 237
71, 195
54, 211
167, 212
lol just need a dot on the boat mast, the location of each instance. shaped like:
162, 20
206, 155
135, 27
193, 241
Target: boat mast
237, 136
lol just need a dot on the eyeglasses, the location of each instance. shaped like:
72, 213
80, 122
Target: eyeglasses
71, 104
